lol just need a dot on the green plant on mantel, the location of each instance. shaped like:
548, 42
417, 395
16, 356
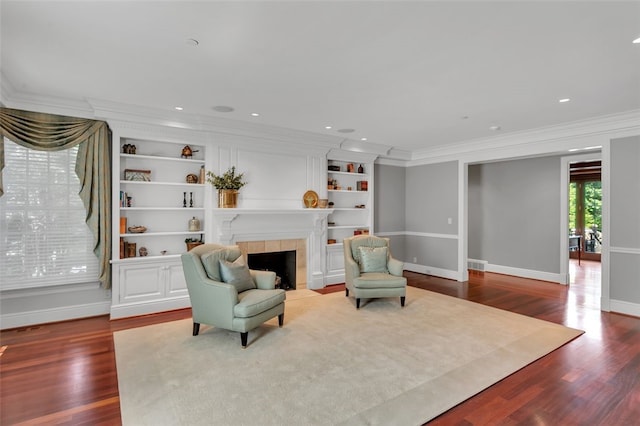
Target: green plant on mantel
228, 180
192, 240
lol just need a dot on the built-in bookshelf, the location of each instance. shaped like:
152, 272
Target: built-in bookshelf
161, 204
350, 195
161, 191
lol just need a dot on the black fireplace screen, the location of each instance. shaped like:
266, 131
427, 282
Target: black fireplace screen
283, 263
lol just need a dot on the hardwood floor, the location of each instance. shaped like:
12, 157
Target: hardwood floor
64, 373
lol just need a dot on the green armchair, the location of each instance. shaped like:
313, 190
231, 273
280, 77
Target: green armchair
371, 271
226, 294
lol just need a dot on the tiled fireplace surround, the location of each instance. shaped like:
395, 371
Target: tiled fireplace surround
273, 230
271, 246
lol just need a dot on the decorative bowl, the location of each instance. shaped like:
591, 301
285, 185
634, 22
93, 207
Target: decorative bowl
137, 229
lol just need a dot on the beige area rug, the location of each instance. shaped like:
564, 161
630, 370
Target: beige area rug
330, 363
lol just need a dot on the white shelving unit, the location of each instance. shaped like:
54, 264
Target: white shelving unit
163, 204
159, 204
352, 206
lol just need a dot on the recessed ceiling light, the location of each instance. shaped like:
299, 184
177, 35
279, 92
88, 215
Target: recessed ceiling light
255, 114
363, 139
179, 108
563, 100
346, 130
192, 42
636, 41
222, 108
328, 127
495, 128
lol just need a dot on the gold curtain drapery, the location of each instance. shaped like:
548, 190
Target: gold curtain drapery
48, 132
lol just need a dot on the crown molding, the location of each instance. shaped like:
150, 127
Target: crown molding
361, 146
544, 140
108, 110
540, 141
44, 104
347, 155
395, 157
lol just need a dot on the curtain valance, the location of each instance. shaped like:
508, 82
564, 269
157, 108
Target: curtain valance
49, 132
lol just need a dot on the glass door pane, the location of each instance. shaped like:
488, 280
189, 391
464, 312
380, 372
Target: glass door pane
592, 217
585, 216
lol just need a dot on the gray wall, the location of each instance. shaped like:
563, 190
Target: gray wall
432, 252
514, 213
389, 205
432, 198
389, 198
624, 278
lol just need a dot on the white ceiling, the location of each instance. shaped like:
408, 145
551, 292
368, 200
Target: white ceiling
401, 74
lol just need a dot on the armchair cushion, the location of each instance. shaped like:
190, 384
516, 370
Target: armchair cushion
254, 302
211, 260
237, 274
373, 259
372, 280
366, 241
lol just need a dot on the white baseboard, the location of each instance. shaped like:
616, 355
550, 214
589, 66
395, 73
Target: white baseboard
626, 308
421, 269
526, 273
149, 307
430, 270
44, 316
317, 281
331, 279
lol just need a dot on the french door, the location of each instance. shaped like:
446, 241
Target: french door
585, 214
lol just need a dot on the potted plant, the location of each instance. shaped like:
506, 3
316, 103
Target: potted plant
192, 242
227, 185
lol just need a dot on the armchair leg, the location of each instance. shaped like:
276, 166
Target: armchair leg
346, 292
243, 338
196, 328
281, 319
402, 301
357, 303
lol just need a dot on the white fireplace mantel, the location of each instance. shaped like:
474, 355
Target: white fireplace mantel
251, 224
240, 211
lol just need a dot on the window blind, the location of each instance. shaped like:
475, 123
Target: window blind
45, 241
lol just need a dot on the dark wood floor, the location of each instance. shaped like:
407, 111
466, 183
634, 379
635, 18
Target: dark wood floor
65, 373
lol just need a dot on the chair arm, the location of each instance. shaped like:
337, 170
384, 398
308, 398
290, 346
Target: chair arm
395, 267
351, 269
212, 301
265, 280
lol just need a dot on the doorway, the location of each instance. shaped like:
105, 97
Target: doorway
577, 171
585, 210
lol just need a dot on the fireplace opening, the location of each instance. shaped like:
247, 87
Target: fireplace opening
283, 263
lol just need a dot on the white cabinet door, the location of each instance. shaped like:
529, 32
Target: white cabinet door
141, 282
145, 286
176, 283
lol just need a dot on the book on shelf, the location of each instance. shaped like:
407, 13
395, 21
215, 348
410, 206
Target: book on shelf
362, 185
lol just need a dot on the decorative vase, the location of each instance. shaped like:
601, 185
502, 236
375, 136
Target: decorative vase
194, 224
227, 198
